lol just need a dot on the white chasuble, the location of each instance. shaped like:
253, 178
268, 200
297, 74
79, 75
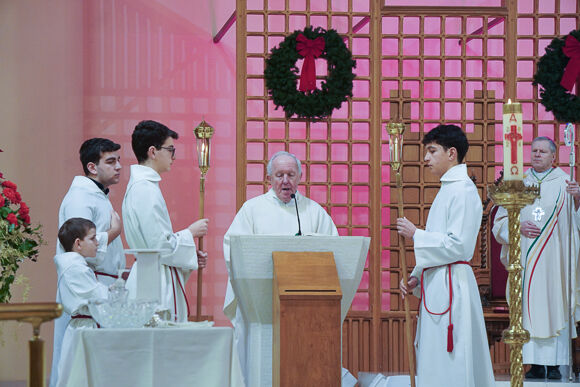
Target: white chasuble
85, 199
148, 226
77, 284
545, 267
268, 215
450, 236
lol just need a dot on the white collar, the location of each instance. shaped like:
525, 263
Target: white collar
143, 172
455, 173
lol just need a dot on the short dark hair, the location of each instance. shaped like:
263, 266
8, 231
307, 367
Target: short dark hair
72, 229
92, 150
550, 142
149, 133
448, 136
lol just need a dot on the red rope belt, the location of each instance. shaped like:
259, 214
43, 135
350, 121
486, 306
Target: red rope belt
174, 271
424, 300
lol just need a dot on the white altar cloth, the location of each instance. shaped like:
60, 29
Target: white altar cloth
152, 357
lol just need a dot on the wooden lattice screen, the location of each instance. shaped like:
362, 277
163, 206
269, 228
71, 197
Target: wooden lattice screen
423, 65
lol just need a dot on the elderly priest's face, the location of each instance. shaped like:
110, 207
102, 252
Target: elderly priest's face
285, 177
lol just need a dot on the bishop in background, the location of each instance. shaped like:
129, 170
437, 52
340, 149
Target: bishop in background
546, 231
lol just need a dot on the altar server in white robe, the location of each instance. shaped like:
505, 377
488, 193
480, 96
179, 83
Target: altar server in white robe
546, 234
147, 223
77, 282
88, 197
451, 341
273, 213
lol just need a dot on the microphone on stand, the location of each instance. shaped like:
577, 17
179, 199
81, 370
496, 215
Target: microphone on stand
297, 216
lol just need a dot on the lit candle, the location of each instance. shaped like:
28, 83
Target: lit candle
513, 141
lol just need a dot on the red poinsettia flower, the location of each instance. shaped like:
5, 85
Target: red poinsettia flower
12, 195
9, 184
2, 201
1, 175
11, 218
25, 219
24, 210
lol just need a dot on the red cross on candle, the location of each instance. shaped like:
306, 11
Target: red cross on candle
513, 137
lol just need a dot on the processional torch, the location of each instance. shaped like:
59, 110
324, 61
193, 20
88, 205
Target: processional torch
395, 131
569, 141
203, 133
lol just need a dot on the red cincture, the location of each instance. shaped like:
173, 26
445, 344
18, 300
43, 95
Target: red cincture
174, 271
423, 299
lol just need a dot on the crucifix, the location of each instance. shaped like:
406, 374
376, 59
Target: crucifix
538, 213
513, 137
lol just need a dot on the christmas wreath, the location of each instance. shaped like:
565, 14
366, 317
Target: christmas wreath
307, 101
557, 72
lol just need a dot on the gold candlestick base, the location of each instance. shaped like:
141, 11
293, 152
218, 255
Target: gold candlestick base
513, 195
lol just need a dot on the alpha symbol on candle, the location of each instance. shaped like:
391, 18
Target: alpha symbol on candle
513, 137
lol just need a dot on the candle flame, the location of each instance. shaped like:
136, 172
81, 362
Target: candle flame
509, 100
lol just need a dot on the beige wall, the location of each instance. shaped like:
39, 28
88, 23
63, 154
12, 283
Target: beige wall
41, 110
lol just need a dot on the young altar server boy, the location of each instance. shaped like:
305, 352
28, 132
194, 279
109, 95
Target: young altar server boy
77, 282
147, 223
451, 340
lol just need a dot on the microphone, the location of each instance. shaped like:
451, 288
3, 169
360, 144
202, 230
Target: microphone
297, 216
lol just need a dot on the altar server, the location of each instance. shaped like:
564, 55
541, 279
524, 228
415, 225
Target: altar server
546, 233
88, 197
451, 341
273, 213
77, 282
147, 223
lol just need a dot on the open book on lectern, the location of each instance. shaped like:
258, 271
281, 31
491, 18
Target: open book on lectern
252, 268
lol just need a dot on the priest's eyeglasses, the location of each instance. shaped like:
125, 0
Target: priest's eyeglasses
170, 149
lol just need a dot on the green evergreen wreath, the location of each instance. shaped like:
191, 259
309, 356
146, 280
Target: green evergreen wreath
564, 105
281, 76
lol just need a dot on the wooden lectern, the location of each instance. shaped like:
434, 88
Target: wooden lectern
251, 270
306, 320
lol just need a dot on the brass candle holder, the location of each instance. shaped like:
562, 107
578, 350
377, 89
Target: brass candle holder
395, 131
513, 195
203, 133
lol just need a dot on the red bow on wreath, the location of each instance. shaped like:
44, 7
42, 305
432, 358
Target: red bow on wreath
309, 49
572, 71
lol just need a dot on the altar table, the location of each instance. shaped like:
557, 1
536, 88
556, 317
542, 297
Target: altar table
152, 357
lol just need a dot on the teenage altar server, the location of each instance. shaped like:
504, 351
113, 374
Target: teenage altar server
88, 197
273, 213
147, 223
451, 342
77, 282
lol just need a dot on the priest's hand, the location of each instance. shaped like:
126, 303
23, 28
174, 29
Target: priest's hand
573, 189
529, 229
412, 284
199, 228
201, 259
405, 227
115, 229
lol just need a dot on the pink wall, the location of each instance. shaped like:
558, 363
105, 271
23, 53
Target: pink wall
147, 60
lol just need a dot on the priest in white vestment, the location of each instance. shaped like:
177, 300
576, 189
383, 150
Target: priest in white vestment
77, 282
88, 197
273, 213
451, 340
545, 242
147, 223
